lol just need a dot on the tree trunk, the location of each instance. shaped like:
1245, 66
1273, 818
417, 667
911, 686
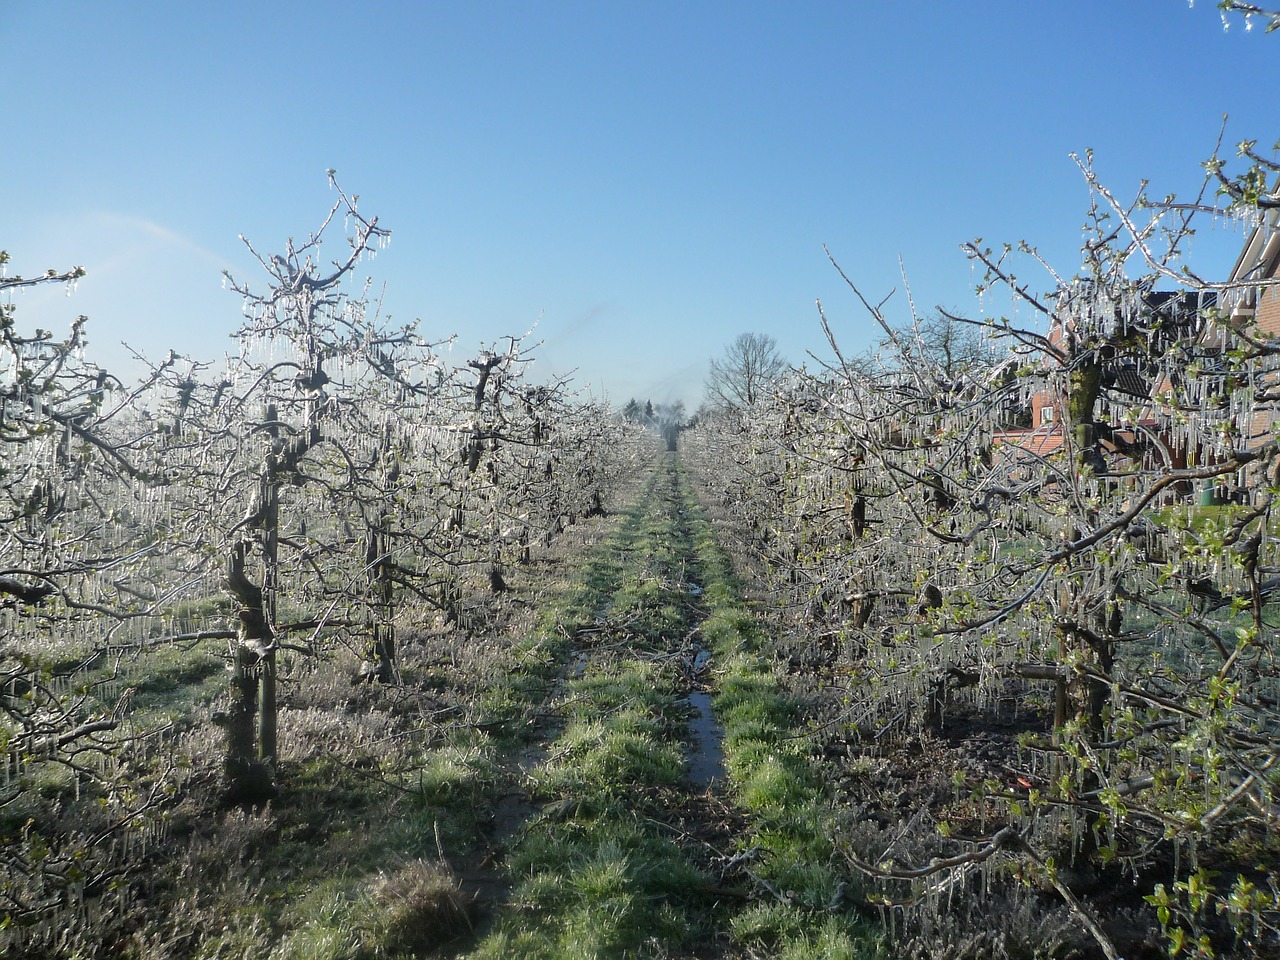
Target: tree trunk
243, 781
267, 710
1090, 618
246, 777
249, 773
1082, 401
381, 665
270, 493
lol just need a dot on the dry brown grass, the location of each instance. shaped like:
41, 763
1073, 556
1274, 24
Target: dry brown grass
420, 906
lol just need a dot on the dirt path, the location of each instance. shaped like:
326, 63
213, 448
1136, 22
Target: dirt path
661, 804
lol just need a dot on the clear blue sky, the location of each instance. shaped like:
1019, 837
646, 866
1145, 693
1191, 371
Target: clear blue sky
649, 179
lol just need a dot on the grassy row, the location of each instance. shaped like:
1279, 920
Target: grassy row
772, 779
598, 873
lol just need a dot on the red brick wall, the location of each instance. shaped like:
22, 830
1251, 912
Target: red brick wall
1268, 310
1267, 316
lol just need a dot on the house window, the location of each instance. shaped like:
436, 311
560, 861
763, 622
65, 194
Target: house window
1046, 415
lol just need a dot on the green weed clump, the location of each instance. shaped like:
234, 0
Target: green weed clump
793, 935
455, 774
601, 882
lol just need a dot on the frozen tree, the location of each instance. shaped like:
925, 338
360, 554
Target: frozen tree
290, 473
80, 565
1248, 12
951, 556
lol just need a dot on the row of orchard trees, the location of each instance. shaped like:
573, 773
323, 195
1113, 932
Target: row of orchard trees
953, 550
336, 470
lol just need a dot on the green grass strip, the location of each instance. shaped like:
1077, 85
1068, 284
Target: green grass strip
771, 777
597, 874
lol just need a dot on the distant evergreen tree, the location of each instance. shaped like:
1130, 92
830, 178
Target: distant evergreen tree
631, 411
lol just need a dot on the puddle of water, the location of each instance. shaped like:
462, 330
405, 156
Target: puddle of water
706, 754
513, 810
695, 590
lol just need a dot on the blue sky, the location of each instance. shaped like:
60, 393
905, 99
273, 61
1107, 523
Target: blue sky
642, 180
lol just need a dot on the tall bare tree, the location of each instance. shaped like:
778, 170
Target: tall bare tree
288, 482
750, 367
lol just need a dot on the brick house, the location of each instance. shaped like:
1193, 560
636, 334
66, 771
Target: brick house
1127, 380
1249, 304
1252, 307
1258, 302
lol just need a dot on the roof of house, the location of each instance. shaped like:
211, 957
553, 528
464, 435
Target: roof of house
1259, 260
1038, 441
